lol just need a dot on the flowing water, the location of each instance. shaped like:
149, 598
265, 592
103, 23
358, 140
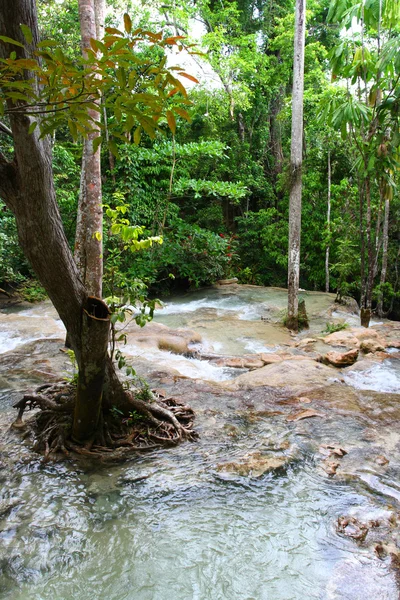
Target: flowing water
174, 525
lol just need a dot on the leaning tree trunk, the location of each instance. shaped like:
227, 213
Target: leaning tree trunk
26, 186
296, 160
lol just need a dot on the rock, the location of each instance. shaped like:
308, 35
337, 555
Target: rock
381, 460
364, 333
330, 467
342, 338
338, 359
305, 342
175, 344
227, 281
332, 450
6, 506
305, 414
254, 465
373, 346
253, 363
270, 359
352, 527
234, 363
296, 376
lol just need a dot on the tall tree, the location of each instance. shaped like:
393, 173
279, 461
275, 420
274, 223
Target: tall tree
296, 161
27, 188
88, 242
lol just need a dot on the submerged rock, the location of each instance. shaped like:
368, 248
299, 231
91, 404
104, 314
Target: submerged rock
254, 465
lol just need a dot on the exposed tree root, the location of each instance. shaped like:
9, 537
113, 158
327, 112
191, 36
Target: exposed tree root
144, 425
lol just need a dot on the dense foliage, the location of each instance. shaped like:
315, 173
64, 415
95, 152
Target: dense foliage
216, 187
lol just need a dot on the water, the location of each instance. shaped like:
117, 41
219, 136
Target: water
171, 524
381, 377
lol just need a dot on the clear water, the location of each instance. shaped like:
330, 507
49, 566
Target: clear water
168, 525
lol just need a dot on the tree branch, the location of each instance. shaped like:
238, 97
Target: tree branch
5, 129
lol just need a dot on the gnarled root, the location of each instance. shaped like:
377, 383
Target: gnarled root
143, 425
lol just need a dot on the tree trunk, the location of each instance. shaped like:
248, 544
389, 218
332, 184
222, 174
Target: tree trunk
88, 244
384, 255
26, 186
328, 223
296, 159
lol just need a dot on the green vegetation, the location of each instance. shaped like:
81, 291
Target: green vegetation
210, 179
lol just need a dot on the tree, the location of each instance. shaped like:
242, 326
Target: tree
27, 187
296, 159
367, 113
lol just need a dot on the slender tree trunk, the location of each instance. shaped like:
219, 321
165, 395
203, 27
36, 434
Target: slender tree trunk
88, 245
328, 222
296, 159
384, 255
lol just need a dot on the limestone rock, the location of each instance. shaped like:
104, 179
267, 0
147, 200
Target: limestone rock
254, 465
372, 345
342, 338
296, 376
305, 414
338, 359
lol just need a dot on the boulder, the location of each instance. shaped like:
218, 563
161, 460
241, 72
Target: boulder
295, 376
341, 359
342, 338
271, 359
373, 346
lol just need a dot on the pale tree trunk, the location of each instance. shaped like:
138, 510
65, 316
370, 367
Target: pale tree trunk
26, 186
88, 242
296, 159
328, 223
384, 255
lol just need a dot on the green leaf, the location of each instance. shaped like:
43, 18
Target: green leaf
137, 135
8, 40
27, 33
96, 143
32, 127
113, 148
171, 121
127, 23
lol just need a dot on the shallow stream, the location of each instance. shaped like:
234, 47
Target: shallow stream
172, 524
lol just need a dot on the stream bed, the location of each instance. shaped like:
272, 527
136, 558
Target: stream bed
182, 523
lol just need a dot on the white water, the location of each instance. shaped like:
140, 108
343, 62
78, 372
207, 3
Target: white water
188, 367
381, 377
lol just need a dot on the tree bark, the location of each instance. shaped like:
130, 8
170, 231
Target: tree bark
296, 159
328, 223
27, 188
384, 255
88, 244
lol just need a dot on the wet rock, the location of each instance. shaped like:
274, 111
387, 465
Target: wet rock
371, 345
270, 359
174, 344
332, 450
352, 527
254, 465
227, 281
6, 506
381, 460
330, 467
353, 579
342, 338
338, 359
364, 333
297, 377
305, 342
305, 414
